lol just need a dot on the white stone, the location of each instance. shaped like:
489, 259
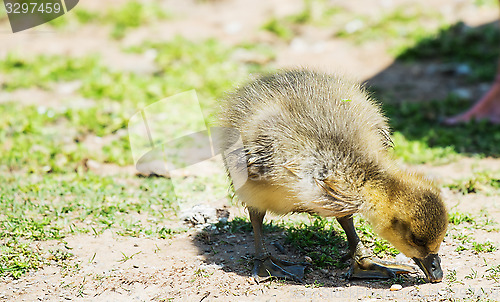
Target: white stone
396, 287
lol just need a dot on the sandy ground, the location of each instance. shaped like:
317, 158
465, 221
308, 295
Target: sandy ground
215, 267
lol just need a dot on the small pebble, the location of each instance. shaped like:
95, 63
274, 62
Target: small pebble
308, 259
396, 287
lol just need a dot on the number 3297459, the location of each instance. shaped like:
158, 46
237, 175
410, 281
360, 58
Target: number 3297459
33, 8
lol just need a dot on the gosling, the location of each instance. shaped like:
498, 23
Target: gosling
317, 143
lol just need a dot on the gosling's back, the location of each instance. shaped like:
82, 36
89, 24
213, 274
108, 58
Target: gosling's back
301, 129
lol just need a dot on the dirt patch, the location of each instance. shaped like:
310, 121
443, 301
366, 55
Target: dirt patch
215, 265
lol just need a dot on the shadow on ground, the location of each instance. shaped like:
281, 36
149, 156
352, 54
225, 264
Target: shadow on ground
230, 246
440, 77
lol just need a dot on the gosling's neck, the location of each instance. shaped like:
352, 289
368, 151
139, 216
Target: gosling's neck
391, 192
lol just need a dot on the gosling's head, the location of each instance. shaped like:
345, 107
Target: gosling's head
415, 223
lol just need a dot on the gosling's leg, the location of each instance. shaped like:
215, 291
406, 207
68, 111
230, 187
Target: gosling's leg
365, 266
267, 266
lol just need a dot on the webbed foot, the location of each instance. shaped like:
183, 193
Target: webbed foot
366, 267
271, 267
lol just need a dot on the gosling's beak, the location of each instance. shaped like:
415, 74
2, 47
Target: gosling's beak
431, 265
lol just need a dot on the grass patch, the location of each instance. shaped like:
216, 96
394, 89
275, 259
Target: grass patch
418, 152
313, 12
183, 65
486, 247
419, 134
484, 182
420, 137
491, 3
17, 258
321, 240
129, 15
460, 44
54, 206
451, 277
242, 225
481, 221
3, 13
493, 273
276, 26
457, 218
205, 66
42, 70
54, 139
372, 241
466, 242
56, 136
46, 191
402, 28
324, 240
132, 15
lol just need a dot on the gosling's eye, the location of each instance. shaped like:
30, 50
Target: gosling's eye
417, 241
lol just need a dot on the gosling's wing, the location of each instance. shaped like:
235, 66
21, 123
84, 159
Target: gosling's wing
386, 137
327, 201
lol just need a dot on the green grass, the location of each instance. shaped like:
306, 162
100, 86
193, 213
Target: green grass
17, 258
53, 148
491, 3
240, 225
421, 138
120, 19
481, 182
3, 13
56, 136
54, 206
451, 277
324, 241
457, 218
321, 240
419, 135
486, 247
42, 70
51, 207
493, 273
481, 221
132, 15
206, 66
466, 242
46, 191
472, 275
277, 27
314, 13
372, 241
401, 28
419, 152
84, 16
464, 221
459, 44
182, 65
